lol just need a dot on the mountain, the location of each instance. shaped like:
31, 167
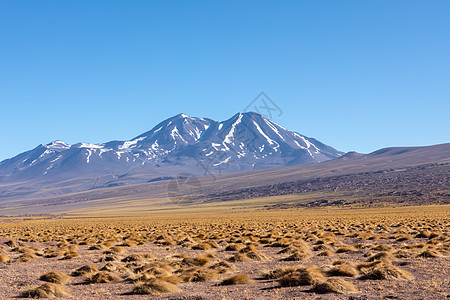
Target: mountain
401, 175
181, 144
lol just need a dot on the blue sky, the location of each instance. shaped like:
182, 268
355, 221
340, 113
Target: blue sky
357, 75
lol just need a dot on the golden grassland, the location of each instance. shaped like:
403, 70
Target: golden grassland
401, 252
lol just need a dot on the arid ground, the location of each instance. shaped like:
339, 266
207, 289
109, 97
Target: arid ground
376, 253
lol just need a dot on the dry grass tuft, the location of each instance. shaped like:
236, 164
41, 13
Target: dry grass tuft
255, 255
200, 260
4, 258
403, 253
129, 243
237, 279
115, 250
102, 277
55, 277
383, 255
223, 267
429, 253
97, 247
11, 243
199, 275
335, 285
385, 270
26, 257
240, 257
134, 257
249, 248
155, 287
202, 246
47, 290
70, 255
81, 271
277, 273
297, 256
234, 247
345, 249
325, 253
302, 276
342, 268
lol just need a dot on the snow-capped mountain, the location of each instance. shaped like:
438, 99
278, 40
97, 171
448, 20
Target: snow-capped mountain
198, 146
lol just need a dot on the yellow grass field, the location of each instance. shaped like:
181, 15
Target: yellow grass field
385, 252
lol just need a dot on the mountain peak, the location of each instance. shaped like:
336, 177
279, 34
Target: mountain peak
182, 116
57, 144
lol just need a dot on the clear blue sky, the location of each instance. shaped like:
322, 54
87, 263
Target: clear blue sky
357, 75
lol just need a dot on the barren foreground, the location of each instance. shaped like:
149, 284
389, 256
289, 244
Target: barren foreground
396, 253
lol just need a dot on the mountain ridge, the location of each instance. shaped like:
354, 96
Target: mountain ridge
200, 146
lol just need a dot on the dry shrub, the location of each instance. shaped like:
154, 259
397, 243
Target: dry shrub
154, 266
199, 275
134, 257
182, 255
26, 257
302, 276
404, 237
140, 277
403, 253
115, 250
55, 277
109, 257
335, 285
102, 277
4, 258
342, 268
278, 273
158, 272
345, 249
114, 267
429, 253
237, 279
11, 243
240, 257
223, 267
385, 270
129, 243
213, 244
97, 247
382, 247
383, 255
297, 256
289, 250
234, 247
211, 254
202, 246
50, 253
325, 253
155, 287
86, 269
70, 255
172, 279
22, 249
424, 234
200, 260
47, 290
249, 248
255, 255
109, 243
322, 247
